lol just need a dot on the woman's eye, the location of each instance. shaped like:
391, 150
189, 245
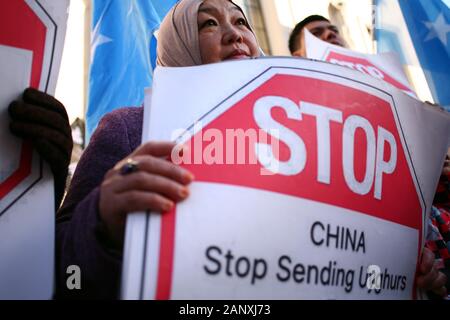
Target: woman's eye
241, 21
209, 23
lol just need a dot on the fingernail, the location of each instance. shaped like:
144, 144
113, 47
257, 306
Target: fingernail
188, 176
183, 192
168, 206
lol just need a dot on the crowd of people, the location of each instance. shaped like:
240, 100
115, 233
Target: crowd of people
117, 175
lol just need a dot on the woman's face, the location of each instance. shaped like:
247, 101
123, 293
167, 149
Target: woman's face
224, 33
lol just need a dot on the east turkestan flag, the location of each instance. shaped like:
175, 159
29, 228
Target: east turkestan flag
122, 54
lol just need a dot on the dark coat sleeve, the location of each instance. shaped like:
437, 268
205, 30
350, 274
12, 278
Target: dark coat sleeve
78, 241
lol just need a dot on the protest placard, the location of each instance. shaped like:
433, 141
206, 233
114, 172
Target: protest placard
31, 40
312, 180
384, 66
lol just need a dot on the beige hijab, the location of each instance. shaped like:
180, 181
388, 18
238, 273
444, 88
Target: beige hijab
178, 36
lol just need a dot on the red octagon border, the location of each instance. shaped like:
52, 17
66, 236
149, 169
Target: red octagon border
166, 247
10, 21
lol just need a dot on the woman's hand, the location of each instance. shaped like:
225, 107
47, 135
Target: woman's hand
430, 278
156, 186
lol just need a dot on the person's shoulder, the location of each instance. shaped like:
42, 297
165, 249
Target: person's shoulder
121, 128
125, 116
127, 113
123, 124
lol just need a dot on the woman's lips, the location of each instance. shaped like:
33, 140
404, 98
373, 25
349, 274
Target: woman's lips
237, 54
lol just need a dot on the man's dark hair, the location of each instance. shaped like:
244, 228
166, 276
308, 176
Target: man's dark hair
293, 38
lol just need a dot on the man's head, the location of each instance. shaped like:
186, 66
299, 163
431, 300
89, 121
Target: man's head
318, 26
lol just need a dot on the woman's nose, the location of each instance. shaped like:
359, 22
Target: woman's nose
232, 35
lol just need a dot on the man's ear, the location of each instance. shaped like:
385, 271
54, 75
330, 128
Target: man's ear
301, 52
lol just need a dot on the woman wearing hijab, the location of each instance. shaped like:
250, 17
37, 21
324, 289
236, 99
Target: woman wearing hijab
116, 176
91, 223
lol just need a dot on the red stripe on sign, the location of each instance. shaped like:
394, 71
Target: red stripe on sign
21, 172
22, 28
166, 252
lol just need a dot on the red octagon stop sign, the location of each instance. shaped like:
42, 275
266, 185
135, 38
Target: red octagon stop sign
26, 25
340, 143
337, 144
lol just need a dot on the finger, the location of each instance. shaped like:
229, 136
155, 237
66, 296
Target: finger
111, 172
33, 114
132, 201
442, 292
35, 131
155, 148
439, 283
164, 168
425, 281
427, 261
33, 96
158, 166
144, 181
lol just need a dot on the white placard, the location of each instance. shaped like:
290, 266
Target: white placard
384, 66
30, 54
346, 195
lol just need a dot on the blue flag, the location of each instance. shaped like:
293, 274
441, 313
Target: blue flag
428, 24
123, 53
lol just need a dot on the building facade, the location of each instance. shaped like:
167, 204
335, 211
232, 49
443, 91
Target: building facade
272, 21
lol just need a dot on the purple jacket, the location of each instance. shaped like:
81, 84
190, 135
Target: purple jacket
78, 241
